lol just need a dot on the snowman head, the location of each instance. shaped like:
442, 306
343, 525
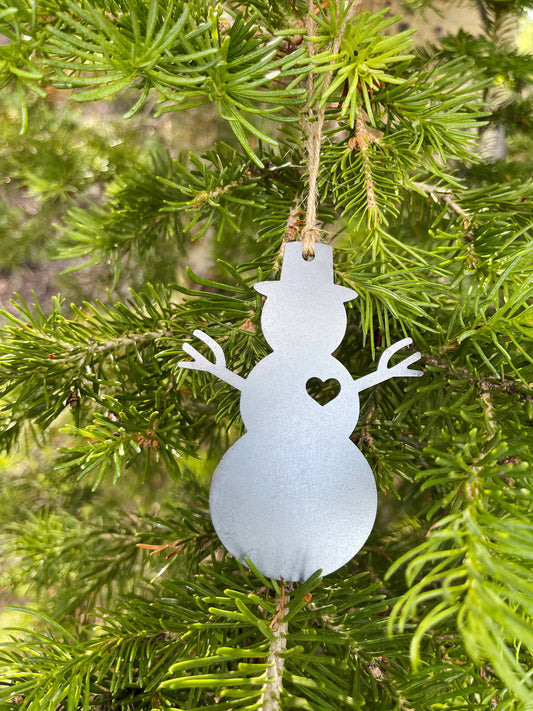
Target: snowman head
305, 309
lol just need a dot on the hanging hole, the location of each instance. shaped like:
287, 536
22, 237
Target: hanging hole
308, 257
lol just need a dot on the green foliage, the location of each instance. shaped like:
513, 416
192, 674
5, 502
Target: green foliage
17, 64
213, 650
182, 50
60, 158
102, 558
107, 537
177, 202
365, 55
479, 555
133, 220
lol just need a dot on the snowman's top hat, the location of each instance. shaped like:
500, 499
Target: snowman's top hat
314, 275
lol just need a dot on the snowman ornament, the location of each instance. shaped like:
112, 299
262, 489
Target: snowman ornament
294, 494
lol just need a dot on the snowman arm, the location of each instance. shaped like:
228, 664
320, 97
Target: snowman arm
217, 368
399, 370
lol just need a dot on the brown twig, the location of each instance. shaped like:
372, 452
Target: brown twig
281, 607
486, 385
361, 140
175, 548
270, 699
446, 197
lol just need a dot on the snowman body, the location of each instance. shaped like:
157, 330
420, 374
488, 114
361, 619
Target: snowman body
294, 495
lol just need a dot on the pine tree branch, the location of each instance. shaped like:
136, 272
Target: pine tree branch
97, 348
177, 53
79, 352
271, 696
488, 384
361, 141
208, 196
446, 197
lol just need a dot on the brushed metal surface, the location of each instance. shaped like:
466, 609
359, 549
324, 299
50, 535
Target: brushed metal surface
294, 494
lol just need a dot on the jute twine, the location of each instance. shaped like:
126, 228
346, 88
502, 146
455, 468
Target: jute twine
314, 126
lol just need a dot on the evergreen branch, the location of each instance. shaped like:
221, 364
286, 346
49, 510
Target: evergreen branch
18, 63
123, 666
438, 247
476, 580
359, 57
363, 174
182, 626
487, 385
91, 357
182, 53
446, 197
361, 140
133, 218
430, 97
87, 562
271, 696
276, 16
314, 128
365, 184
493, 59
176, 201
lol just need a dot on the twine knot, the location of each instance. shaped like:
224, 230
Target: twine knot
309, 235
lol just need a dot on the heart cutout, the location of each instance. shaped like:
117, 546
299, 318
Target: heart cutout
323, 391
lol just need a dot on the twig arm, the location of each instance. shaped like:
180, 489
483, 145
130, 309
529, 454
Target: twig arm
217, 368
383, 372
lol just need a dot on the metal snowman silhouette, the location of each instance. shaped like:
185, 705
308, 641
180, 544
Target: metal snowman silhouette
294, 494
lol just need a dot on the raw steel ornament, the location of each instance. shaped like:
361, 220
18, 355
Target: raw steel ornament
294, 494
